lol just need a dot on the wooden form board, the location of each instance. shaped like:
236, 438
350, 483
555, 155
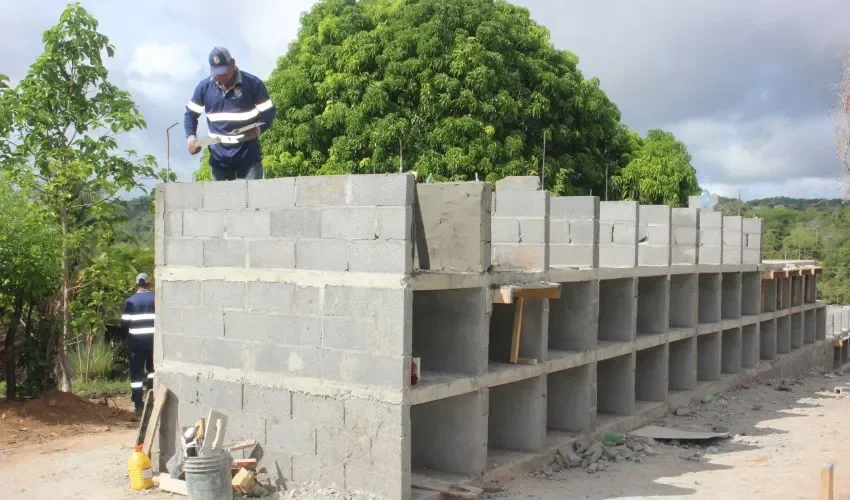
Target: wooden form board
159, 397
787, 273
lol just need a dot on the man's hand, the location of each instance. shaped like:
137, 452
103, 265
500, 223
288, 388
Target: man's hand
193, 146
250, 134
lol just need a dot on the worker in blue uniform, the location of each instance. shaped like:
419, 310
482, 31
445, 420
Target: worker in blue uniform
238, 109
137, 320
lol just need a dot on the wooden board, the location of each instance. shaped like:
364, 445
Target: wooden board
507, 293
146, 415
159, 398
216, 428
171, 485
450, 490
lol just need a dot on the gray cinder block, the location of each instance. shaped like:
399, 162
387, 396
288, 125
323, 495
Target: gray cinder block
225, 253
232, 195
271, 193
181, 196
380, 256
271, 254
184, 294
204, 223
382, 190
321, 255
249, 224
296, 223
224, 294
321, 191
349, 223
518, 183
184, 252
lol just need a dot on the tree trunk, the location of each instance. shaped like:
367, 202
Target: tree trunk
62, 349
11, 379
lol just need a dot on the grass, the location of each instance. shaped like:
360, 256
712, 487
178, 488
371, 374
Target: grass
100, 387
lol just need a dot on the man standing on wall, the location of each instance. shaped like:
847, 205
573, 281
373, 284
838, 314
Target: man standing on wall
238, 110
137, 320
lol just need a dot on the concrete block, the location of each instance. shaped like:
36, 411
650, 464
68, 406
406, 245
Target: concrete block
296, 223
173, 221
625, 234
615, 385
225, 253
659, 234
578, 256
204, 223
709, 237
750, 346
682, 366
203, 323
518, 416
169, 319
521, 204
505, 230
655, 214
654, 255
709, 361
518, 183
534, 231
683, 255
249, 224
220, 395
570, 400
183, 294
685, 217
653, 306
271, 193
271, 254
450, 435
360, 476
273, 403
293, 435
617, 255
618, 211
395, 223
651, 376
617, 310
282, 460
797, 332
321, 411
709, 219
453, 230
321, 191
232, 195
270, 297
382, 190
350, 223
732, 347
751, 256
820, 326
750, 293
559, 232
606, 233
220, 294
710, 255
302, 361
751, 225
573, 319
369, 369
371, 418
574, 207
685, 236
584, 232
184, 252
753, 240
526, 257
450, 330
321, 255
380, 256
732, 255
181, 196
733, 239
344, 445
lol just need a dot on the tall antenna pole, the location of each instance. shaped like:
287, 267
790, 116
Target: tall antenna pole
168, 147
543, 168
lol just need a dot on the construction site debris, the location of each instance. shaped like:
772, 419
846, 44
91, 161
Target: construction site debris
312, 490
666, 433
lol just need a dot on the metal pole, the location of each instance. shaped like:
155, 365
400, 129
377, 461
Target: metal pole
168, 147
606, 182
543, 168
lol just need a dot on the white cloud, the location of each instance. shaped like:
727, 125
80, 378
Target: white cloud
157, 70
763, 149
267, 28
807, 187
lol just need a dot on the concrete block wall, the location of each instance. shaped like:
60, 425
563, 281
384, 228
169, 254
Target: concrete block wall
618, 233
655, 235
296, 305
574, 231
751, 241
520, 225
685, 239
733, 239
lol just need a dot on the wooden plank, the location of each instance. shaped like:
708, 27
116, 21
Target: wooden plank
517, 332
241, 445
451, 490
526, 361
146, 415
247, 463
172, 485
215, 432
159, 398
826, 482
503, 295
553, 292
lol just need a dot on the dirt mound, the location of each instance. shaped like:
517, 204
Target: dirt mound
58, 414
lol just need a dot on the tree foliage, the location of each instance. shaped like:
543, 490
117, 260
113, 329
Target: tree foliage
660, 172
64, 119
29, 251
449, 89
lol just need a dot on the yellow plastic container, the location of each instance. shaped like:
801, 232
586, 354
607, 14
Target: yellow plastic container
141, 473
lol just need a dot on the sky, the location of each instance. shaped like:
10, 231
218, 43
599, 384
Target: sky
749, 86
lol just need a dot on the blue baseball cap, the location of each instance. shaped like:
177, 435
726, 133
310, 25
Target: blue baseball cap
220, 58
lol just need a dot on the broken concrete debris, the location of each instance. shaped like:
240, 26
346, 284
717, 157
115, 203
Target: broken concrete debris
348, 323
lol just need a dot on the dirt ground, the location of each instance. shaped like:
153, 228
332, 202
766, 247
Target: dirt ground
782, 434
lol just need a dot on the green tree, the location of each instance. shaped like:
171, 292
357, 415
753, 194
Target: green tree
660, 172
65, 117
29, 251
449, 89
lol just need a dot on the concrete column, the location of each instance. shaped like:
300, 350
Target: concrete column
750, 346
683, 365
683, 300
651, 374
750, 293
570, 400
732, 347
768, 340
617, 310
809, 326
731, 296
450, 435
709, 357
653, 306
783, 335
574, 318
518, 415
709, 298
615, 385
797, 332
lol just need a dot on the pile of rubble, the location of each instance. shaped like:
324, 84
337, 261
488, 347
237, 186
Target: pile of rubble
597, 457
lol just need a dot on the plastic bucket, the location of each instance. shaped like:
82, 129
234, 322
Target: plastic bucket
209, 478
